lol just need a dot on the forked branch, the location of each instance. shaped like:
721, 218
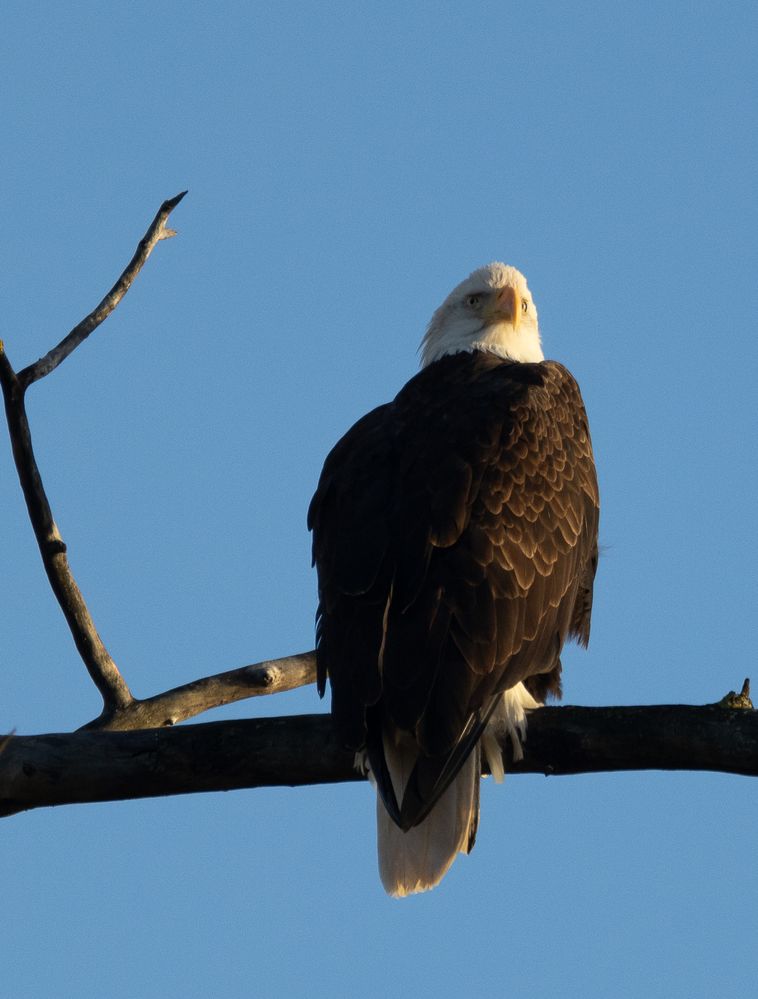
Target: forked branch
101, 667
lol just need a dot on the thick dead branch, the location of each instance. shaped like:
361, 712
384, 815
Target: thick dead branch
272, 676
44, 770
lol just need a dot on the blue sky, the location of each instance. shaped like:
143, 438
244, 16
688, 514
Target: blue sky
347, 165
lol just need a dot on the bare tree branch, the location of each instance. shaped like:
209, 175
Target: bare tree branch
272, 676
37, 771
82, 330
101, 667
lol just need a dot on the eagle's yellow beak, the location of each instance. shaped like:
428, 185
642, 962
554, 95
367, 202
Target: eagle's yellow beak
506, 307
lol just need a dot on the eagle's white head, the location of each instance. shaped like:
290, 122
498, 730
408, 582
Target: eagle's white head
491, 310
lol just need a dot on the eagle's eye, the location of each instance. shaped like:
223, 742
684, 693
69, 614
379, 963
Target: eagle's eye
473, 301
524, 305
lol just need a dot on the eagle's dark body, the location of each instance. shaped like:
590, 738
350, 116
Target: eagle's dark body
455, 537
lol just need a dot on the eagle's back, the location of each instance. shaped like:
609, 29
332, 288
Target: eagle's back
455, 537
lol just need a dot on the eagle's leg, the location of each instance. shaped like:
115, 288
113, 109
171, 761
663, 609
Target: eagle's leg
508, 719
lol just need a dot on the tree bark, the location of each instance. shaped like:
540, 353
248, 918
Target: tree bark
87, 766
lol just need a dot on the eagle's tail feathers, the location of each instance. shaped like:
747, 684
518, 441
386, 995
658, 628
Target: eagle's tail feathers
417, 860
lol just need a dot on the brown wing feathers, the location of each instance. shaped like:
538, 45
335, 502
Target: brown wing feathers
454, 533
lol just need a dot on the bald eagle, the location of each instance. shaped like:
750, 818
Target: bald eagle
455, 540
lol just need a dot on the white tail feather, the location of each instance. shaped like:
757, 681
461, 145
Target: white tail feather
417, 860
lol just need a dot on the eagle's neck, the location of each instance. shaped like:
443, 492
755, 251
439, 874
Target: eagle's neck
502, 340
